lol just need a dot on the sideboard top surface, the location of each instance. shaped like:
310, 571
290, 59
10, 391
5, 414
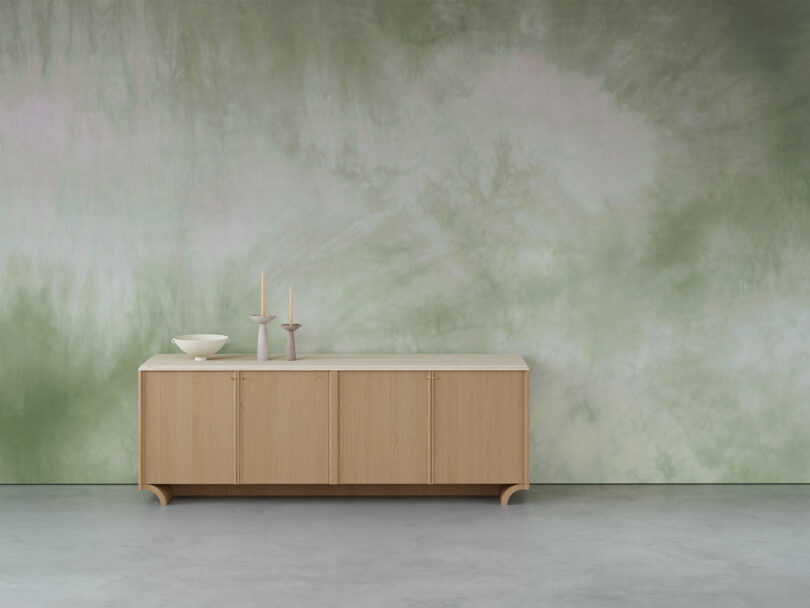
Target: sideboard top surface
177, 362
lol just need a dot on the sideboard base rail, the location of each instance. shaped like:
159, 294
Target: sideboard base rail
165, 492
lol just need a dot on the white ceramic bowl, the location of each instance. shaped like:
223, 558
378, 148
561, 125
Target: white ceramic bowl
200, 346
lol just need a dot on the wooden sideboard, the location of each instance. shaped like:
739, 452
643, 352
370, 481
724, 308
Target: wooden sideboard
334, 425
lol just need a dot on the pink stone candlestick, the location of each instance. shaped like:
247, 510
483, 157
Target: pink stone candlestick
290, 339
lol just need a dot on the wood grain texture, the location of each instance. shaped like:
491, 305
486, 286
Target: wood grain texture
188, 427
384, 429
235, 382
430, 386
334, 427
228, 362
526, 438
341, 490
284, 427
478, 427
140, 428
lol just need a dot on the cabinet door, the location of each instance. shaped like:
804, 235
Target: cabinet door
284, 427
188, 423
384, 427
478, 433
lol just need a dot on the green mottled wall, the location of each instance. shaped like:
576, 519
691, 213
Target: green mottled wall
617, 190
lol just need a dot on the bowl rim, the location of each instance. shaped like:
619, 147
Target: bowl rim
201, 337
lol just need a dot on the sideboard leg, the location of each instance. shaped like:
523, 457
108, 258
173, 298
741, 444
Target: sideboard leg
507, 491
164, 493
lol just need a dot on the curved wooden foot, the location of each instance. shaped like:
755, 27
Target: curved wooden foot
507, 491
164, 493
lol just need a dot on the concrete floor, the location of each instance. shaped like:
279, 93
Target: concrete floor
624, 546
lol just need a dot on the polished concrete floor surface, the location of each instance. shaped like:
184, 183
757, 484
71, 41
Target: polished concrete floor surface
560, 546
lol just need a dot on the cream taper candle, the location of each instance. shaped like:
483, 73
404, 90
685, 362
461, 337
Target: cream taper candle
262, 294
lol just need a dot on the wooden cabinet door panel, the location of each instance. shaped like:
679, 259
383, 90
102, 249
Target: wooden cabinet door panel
188, 427
284, 427
478, 432
384, 430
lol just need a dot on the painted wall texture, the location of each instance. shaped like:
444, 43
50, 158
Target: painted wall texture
616, 190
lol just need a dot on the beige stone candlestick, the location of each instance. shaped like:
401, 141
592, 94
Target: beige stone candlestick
262, 348
290, 339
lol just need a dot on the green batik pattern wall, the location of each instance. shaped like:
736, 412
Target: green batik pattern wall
619, 191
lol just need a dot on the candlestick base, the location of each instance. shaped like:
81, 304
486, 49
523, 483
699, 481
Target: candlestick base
262, 348
290, 339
